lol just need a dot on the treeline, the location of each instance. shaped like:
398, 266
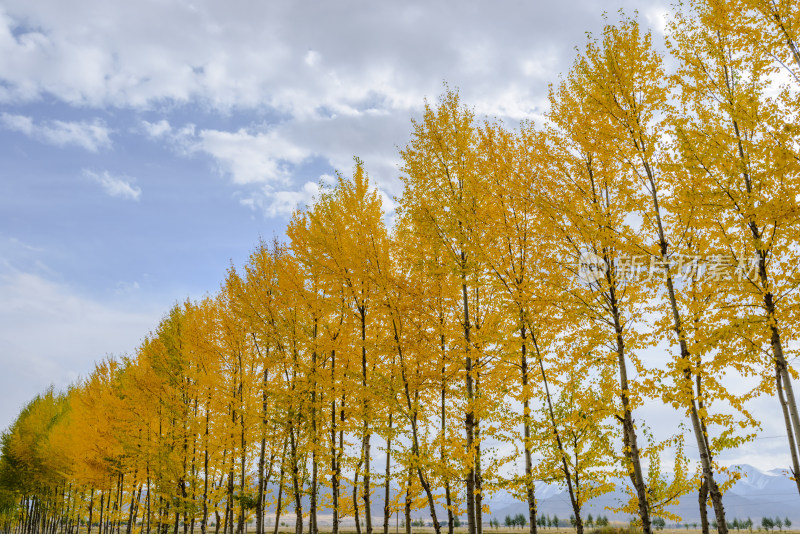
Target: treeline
545, 521
537, 286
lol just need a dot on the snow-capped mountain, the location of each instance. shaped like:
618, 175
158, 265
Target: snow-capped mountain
757, 494
758, 483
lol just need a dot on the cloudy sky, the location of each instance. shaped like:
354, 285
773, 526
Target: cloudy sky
144, 146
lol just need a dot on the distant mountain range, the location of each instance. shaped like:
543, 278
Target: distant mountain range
757, 494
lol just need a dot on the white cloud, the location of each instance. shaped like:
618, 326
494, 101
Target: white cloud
263, 161
312, 58
18, 123
252, 157
282, 203
332, 77
255, 55
657, 18
115, 186
49, 334
156, 130
125, 288
14, 242
247, 156
89, 135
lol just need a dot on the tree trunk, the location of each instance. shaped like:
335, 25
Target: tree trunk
131, 509
91, 508
365, 444
478, 478
204, 522
469, 418
386, 494
334, 457
447, 495
407, 506
279, 504
243, 449
298, 503
787, 421
781, 366
228, 527
312, 519
117, 505
573, 497
412, 406
262, 455
149, 511
701, 440
769, 303
356, 517
700, 437
340, 450
628, 429
526, 429
102, 505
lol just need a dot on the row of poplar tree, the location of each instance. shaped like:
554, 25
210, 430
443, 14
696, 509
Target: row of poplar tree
468, 348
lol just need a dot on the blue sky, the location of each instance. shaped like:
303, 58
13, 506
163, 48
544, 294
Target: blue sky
144, 146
